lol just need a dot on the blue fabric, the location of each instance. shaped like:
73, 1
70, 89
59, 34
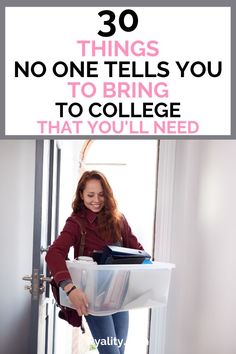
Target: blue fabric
109, 332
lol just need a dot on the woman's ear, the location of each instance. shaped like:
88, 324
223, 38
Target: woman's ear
81, 195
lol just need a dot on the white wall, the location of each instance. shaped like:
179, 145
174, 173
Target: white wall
17, 159
201, 317
70, 173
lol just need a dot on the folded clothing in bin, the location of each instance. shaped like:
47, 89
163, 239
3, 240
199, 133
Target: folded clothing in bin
123, 255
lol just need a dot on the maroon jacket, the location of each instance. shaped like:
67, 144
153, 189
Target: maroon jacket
69, 237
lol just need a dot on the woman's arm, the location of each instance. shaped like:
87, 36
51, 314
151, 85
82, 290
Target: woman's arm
78, 298
58, 251
56, 260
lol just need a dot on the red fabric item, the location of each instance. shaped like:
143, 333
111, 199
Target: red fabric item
70, 237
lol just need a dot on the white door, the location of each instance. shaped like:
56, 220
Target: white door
47, 173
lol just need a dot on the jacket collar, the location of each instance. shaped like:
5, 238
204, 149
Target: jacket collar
89, 215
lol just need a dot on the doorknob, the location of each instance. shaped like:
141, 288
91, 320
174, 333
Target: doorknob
43, 278
28, 287
35, 288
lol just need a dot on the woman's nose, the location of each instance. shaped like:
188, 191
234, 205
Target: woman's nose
96, 198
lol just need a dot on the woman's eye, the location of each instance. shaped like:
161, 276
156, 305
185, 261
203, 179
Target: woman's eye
92, 195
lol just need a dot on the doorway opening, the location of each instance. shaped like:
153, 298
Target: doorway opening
131, 169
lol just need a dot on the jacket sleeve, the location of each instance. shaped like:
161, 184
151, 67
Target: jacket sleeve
58, 251
129, 239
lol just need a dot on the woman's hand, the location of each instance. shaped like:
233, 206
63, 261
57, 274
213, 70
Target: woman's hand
79, 300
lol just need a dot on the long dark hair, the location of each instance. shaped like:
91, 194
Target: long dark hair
109, 218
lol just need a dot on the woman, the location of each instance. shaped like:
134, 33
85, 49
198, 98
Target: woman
95, 208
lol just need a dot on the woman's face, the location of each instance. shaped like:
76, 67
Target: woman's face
93, 195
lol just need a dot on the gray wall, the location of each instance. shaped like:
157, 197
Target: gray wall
202, 308
17, 160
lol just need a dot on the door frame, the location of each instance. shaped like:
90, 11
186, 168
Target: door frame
46, 195
38, 191
163, 234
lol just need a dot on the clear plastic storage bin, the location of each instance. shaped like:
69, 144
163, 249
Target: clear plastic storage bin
114, 288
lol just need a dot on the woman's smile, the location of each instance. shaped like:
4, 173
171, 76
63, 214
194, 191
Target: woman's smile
93, 196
